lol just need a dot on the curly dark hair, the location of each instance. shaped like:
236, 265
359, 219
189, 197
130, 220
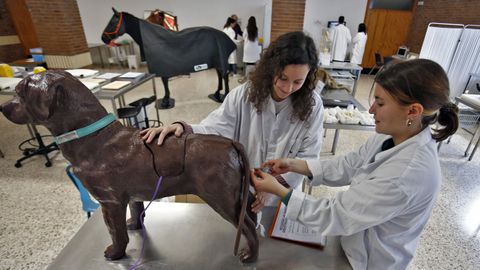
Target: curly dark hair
294, 48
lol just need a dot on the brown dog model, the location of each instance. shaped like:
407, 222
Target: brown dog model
116, 166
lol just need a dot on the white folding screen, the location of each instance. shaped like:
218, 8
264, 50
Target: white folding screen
465, 61
440, 43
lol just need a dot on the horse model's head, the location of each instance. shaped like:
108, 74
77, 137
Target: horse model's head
114, 28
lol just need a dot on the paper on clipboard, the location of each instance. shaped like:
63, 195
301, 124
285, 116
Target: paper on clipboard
294, 231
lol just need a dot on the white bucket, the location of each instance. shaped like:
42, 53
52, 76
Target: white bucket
132, 61
325, 59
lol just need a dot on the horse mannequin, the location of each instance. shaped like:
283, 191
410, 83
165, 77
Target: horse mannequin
169, 53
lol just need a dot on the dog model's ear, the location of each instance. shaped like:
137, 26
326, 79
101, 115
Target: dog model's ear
42, 101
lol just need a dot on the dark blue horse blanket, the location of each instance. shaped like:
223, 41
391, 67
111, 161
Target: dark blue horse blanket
170, 53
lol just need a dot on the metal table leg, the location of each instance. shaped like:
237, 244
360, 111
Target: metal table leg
335, 140
476, 144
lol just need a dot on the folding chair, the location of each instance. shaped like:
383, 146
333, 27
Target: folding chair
378, 63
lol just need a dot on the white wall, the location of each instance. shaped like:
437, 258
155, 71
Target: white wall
319, 12
96, 14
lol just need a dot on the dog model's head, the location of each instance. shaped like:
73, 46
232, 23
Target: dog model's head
43, 96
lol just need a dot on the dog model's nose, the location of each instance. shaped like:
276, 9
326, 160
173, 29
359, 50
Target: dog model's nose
1, 108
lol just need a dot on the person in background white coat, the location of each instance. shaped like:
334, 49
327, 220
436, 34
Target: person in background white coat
232, 58
341, 37
359, 42
275, 114
394, 177
251, 49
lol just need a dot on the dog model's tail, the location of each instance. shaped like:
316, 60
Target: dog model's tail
245, 193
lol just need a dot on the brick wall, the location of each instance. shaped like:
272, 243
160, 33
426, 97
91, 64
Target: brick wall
58, 26
287, 16
442, 11
10, 52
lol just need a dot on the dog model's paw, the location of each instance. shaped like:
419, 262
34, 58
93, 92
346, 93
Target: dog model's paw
246, 256
113, 254
133, 224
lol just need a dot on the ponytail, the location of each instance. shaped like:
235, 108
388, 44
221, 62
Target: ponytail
448, 119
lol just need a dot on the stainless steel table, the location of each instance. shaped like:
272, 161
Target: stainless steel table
343, 95
191, 236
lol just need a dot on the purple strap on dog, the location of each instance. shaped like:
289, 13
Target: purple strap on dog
137, 263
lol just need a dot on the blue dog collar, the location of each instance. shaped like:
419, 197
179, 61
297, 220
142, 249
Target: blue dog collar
82, 132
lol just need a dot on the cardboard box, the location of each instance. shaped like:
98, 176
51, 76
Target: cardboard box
188, 198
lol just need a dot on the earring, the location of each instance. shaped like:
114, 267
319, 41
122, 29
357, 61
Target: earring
409, 122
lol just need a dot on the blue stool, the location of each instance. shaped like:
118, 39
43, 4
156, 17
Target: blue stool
88, 204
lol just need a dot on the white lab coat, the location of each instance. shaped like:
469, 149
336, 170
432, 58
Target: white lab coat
232, 58
341, 37
251, 49
359, 42
390, 198
266, 135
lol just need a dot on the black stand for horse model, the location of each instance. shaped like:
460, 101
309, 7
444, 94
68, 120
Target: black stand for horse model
42, 149
166, 102
217, 97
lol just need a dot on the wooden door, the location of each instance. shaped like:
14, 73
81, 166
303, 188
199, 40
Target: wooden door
22, 20
387, 30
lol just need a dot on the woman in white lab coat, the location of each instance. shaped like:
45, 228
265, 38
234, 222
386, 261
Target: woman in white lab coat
359, 42
394, 177
251, 49
275, 114
232, 58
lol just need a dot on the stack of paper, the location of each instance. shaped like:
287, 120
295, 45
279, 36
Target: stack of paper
116, 85
82, 72
90, 85
8, 84
131, 75
93, 80
108, 76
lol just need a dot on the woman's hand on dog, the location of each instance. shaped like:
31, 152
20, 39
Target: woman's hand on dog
150, 133
259, 202
265, 182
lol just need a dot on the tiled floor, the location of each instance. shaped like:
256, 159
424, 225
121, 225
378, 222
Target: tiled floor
40, 208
